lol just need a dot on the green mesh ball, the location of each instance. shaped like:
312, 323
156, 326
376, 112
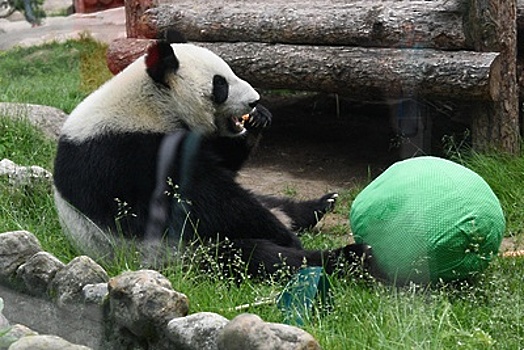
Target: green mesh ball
428, 219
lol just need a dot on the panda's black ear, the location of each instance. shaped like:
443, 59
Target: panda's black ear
161, 60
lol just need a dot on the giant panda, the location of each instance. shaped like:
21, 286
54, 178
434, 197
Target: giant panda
174, 115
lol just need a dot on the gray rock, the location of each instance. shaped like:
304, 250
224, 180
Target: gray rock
4, 323
143, 302
78, 323
23, 175
293, 337
95, 293
197, 331
16, 248
249, 331
13, 334
38, 272
45, 342
69, 281
48, 119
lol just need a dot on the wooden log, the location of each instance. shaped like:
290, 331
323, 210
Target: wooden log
388, 23
365, 73
122, 52
362, 73
491, 26
135, 15
520, 25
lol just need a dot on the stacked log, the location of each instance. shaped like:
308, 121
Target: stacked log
423, 24
462, 50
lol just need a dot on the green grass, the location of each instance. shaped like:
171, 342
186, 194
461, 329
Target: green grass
487, 314
58, 75
30, 207
505, 175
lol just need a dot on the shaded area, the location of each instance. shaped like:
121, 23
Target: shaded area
323, 142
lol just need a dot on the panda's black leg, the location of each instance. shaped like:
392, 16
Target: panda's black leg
302, 215
263, 257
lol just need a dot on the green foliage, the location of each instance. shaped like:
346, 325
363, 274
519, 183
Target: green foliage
465, 316
505, 175
54, 74
31, 206
22, 143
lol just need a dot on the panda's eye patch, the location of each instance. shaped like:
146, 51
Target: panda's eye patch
220, 89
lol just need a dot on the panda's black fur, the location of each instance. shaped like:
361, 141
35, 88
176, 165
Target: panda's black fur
231, 212
115, 179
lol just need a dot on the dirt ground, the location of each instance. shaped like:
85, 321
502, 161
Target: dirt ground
311, 149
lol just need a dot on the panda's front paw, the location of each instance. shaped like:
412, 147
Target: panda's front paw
259, 119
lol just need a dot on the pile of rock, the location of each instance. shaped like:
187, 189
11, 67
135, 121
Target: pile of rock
137, 309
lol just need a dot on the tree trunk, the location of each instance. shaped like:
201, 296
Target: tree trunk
491, 26
431, 24
122, 52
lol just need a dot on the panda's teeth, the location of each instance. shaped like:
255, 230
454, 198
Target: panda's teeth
237, 124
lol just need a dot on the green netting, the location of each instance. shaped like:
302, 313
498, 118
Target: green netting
427, 219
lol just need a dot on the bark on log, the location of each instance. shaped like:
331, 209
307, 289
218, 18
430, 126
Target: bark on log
388, 23
122, 52
520, 25
135, 15
520, 49
363, 73
491, 26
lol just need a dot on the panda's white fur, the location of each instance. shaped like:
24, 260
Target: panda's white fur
85, 235
135, 104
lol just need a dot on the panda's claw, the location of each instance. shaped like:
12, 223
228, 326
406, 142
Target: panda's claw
331, 200
332, 197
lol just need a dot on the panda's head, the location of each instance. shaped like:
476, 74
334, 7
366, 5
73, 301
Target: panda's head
173, 86
199, 87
